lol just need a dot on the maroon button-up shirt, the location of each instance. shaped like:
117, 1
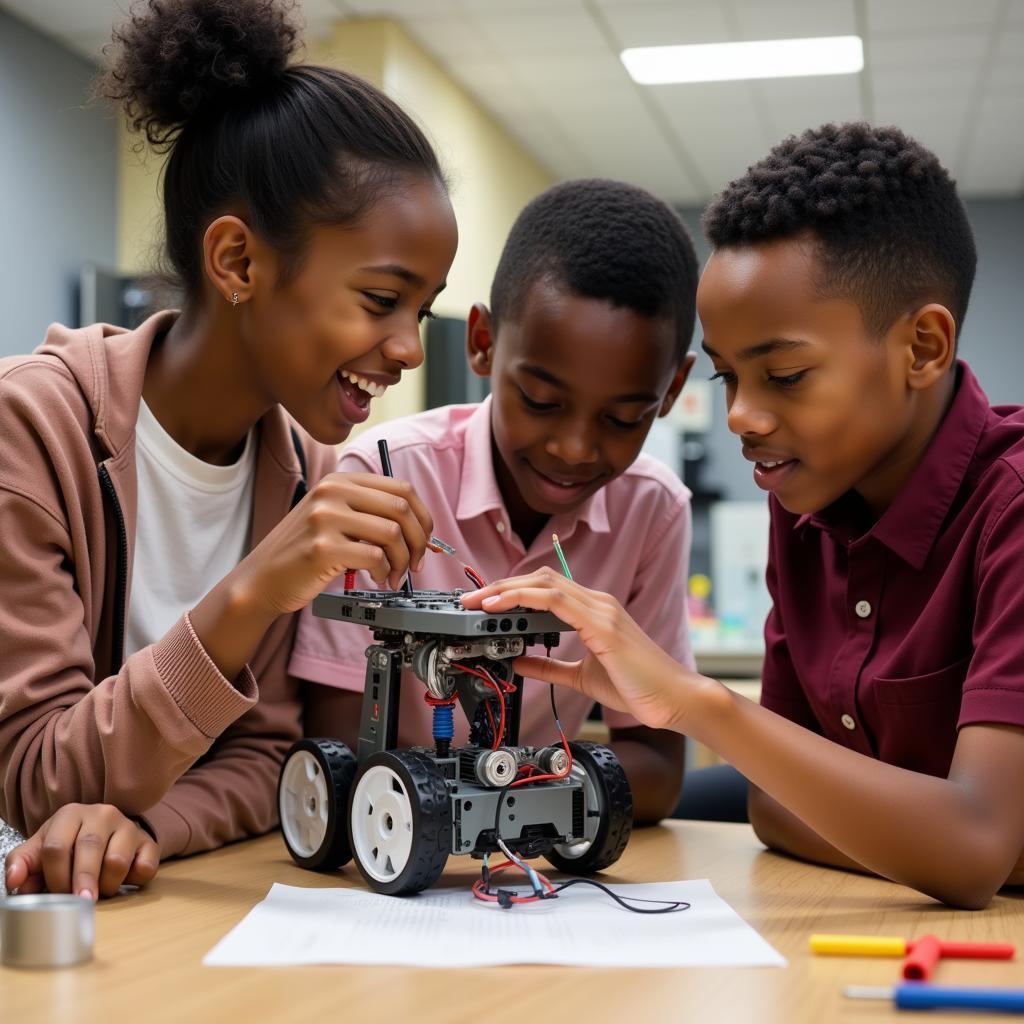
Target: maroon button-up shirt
887, 637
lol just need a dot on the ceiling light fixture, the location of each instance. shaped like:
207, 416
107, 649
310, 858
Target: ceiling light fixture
725, 62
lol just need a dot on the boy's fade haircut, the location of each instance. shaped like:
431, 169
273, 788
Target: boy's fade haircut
891, 228
601, 239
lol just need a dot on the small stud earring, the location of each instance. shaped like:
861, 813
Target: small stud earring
234, 298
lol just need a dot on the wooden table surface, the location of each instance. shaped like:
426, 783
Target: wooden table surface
149, 947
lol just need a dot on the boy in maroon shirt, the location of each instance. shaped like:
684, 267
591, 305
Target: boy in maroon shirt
891, 732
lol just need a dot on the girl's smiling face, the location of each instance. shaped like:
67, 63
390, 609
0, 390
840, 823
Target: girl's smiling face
820, 405
346, 324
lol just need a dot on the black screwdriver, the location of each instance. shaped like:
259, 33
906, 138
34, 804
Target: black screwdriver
385, 464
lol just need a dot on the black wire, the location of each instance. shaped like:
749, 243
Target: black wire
666, 906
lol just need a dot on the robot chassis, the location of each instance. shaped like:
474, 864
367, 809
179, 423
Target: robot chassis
401, 812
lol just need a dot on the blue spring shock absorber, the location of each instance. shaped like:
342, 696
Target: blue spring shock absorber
444, 728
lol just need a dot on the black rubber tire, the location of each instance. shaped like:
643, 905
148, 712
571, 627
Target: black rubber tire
615, 804
431, 821
339, 767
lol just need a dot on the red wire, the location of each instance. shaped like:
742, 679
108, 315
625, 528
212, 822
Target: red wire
491, 682
474, 577
438, 701
478, 886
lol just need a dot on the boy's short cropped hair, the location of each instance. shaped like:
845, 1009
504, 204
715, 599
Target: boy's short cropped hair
892, 229
601, 239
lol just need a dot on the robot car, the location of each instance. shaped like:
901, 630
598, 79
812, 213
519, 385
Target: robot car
400, 813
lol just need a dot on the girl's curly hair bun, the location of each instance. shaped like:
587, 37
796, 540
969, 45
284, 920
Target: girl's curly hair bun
172, 59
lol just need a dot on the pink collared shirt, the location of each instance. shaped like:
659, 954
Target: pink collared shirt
631, 539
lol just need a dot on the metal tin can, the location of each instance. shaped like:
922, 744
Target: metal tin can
46, 930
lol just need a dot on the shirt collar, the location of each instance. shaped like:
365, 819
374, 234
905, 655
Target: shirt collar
911, 524
478, 485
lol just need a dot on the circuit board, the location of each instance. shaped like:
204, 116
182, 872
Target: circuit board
431, 612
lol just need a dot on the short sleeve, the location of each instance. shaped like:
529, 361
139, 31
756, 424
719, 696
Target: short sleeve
994, 688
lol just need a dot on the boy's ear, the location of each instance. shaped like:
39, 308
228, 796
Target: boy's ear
228, 253
931, 345
479, 340
677, 384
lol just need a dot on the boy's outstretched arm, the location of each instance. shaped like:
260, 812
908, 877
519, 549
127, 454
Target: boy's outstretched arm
784, 832
654, 761
957, 839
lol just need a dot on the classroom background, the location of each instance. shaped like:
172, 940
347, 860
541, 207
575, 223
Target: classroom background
518, 94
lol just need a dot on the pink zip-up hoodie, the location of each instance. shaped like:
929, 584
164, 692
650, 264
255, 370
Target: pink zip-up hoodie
162, 735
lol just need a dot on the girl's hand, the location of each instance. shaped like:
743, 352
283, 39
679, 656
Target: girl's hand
623, 668
347, 521
86, 849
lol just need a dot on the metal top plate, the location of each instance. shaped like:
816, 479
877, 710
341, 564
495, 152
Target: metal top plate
432, 612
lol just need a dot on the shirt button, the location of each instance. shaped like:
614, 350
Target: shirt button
863, 609
500, 527
848, 722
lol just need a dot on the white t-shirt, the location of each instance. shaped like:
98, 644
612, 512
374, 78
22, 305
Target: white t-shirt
193, 527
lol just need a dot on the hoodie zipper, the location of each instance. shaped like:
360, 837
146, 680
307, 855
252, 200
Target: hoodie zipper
121, 576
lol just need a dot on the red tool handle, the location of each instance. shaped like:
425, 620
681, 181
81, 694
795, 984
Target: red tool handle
979, 950
921, 960
925, 952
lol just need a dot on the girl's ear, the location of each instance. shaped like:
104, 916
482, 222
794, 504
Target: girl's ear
228, 250
479, 340
677, 384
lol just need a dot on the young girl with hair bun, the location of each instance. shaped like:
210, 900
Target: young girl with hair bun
166, 492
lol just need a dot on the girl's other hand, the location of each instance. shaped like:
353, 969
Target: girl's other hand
86, 849
623, 668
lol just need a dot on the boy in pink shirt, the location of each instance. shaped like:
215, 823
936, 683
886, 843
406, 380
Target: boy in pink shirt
592, 311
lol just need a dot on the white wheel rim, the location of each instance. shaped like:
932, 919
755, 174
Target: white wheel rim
303, 804
381, 823
591, 815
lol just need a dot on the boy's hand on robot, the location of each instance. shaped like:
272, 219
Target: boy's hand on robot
623, 668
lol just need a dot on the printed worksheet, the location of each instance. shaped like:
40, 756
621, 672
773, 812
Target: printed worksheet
449, 928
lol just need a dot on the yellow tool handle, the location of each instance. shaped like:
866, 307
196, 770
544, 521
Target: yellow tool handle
858, 945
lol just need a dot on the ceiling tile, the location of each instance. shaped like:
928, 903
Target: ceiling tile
718, 123
666, 24
1010, 45
792, 105
554, 79
540, 31
932, 85
923, 15
794, 19
1005, 78
494, 84
965, 46
399, 8
447, 37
